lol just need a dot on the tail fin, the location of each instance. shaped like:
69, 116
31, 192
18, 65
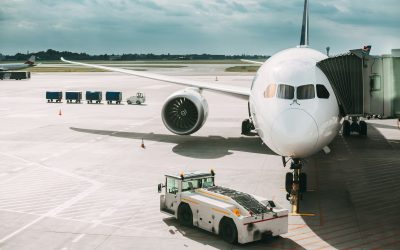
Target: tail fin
304, 28
31, 60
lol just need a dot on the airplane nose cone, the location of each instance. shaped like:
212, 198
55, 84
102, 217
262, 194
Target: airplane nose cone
295, 134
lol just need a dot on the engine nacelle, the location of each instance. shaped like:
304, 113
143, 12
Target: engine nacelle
185, 111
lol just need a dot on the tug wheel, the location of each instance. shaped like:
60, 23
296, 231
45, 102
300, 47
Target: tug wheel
185, 216
228, 230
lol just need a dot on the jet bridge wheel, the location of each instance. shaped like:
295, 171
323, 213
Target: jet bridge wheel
289, 182
185, 215
363, 128
228, 230
346, 128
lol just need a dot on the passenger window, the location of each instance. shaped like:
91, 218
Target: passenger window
285, 91
270, 91
322, 92
172, 185
305, 92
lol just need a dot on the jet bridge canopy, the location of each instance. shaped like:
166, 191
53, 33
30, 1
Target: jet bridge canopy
345, 73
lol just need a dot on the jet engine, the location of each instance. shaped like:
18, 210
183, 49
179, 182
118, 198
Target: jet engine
185, 111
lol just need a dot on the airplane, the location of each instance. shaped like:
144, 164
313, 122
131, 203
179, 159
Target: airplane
291, 103
16, 66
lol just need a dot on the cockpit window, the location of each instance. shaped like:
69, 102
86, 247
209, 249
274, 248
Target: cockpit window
285, 91
305, 92
322, 92
270, 91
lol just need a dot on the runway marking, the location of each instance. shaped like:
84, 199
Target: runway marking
107, 212
3, 174
95, 186
17, 169
44, 159
78, 238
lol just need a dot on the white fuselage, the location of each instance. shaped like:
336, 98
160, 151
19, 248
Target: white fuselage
300, 118
14, 66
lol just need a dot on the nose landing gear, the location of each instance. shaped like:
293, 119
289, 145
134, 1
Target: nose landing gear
295, 184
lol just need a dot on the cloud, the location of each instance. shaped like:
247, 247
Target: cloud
196, 26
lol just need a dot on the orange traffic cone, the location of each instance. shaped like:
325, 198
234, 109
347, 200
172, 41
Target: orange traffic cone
59, 112
143, 146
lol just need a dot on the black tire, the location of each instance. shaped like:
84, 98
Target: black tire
355, 127
363, 128
289, 182
303, 182
228, 230
346, 128
185, 215
138, 102
129, 102
246, 127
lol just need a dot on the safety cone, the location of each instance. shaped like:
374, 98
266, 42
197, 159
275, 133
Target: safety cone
59, 112
143, 146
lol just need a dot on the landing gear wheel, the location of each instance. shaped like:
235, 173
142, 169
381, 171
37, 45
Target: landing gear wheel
289, 182
185, 216
246, 127
228, 230
303, 182
346, 128
363, 128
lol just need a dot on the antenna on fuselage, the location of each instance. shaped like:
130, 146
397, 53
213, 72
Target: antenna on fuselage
304, 27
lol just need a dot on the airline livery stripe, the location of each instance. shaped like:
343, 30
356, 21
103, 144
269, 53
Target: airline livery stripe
265, 220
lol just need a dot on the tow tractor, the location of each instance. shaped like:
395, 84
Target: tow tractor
195, 200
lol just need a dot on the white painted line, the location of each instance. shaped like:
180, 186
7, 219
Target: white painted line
65, 248
44, 158
78, 238
107, 212
3, 174
95, 223
16, 169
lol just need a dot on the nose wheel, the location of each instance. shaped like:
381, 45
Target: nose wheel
295, 185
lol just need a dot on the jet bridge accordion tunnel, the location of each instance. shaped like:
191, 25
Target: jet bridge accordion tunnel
345, 73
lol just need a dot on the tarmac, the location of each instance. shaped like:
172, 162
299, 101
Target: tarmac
74, 176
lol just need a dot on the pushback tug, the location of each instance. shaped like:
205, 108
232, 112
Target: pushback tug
195, 200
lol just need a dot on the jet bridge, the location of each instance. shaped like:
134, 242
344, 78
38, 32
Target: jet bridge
345, 73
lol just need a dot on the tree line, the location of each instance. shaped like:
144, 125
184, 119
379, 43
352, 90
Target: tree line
51, 54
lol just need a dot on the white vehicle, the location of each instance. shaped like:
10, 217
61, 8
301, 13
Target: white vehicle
139, 98
236, 216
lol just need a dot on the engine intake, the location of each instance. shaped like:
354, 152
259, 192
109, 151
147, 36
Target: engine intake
185, 111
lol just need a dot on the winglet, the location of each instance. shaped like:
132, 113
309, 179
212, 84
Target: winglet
304, 28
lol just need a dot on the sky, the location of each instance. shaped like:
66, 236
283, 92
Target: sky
229, 27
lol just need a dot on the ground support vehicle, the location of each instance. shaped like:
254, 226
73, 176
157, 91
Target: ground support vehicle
236, 216
15, 75
139, 98
112, 96
94, 96
73, 96
54, 95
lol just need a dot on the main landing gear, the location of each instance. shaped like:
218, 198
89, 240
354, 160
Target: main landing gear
247, 127
295, 184
354, 124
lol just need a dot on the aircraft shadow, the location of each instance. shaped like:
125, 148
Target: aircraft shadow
354, 200
200, 147
208, 239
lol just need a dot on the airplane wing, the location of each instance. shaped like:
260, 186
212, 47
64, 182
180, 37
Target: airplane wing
253, 62
236, 91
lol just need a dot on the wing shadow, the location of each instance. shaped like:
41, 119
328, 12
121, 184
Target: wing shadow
200, 147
